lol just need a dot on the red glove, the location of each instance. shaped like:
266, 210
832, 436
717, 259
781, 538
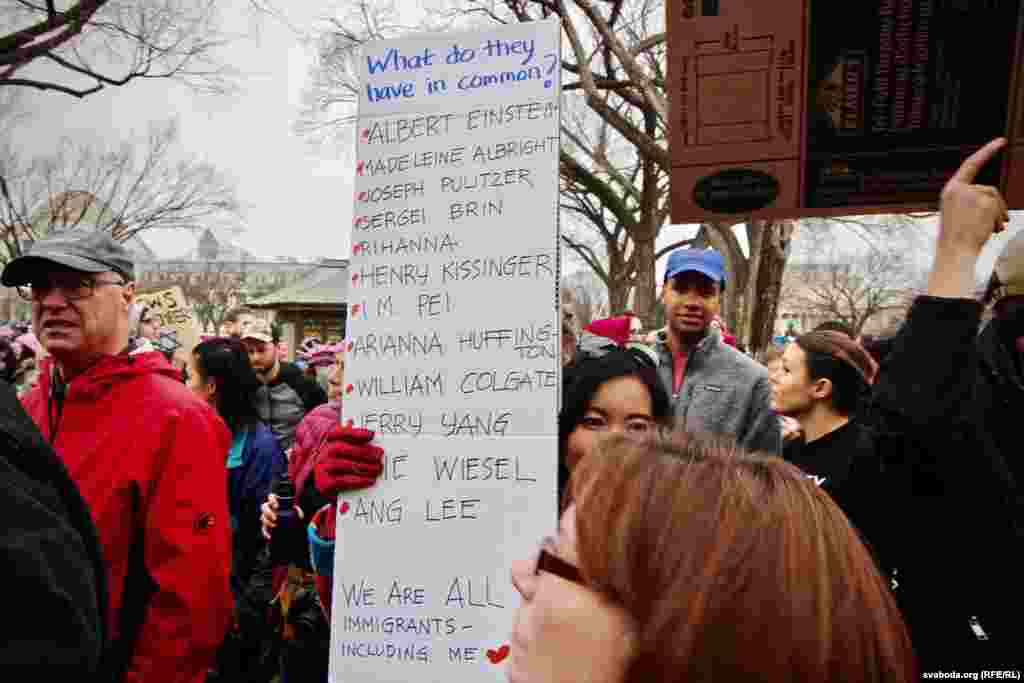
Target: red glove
349, 462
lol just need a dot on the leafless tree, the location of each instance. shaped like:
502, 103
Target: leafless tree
854, 283
329, 102
589, 297
212, 292
614, 161
89, 45
140, 186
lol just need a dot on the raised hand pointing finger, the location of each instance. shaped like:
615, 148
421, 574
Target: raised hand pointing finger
971, 213
973, 164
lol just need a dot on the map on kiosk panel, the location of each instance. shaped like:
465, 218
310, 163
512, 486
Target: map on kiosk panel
890, 90
812, 107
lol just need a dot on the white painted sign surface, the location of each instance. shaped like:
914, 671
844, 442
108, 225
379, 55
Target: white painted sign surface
453, 337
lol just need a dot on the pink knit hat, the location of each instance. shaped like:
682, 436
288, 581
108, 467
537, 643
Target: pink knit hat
616, 329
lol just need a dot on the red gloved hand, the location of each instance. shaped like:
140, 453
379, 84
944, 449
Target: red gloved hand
350, 462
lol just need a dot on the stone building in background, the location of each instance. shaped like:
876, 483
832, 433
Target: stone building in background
218, 275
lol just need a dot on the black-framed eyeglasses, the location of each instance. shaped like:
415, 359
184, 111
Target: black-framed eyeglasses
553, 564
73, 289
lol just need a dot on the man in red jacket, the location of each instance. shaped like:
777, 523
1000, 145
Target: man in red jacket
147, 455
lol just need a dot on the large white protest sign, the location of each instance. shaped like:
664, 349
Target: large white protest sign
452, 340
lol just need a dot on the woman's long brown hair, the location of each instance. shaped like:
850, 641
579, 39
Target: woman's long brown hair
733, 568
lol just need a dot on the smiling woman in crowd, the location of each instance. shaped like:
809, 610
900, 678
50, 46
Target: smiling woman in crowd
685, 560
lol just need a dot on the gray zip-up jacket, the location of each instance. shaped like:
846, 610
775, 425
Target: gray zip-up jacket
723, 392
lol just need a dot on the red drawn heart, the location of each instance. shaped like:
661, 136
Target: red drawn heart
355, 308
355, 277
366, 133
344, 507
359, 167
362, 196
499, 655
348, 389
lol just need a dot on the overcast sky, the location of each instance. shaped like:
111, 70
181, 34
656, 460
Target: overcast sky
298, 201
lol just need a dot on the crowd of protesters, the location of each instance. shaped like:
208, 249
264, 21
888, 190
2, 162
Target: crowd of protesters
843, 510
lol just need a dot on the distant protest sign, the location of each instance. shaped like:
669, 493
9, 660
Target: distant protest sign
168, 308
797, 108
452, 346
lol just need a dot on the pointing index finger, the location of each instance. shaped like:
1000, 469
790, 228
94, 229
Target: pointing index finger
973, 164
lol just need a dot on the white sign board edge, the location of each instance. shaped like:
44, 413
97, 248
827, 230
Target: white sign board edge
438, 562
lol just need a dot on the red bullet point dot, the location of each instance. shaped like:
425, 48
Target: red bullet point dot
350, 346
348, 389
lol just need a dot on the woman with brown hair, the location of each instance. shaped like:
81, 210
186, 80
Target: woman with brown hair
823, 377
685, 560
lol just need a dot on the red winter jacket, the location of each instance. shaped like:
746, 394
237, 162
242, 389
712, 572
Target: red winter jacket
148, 457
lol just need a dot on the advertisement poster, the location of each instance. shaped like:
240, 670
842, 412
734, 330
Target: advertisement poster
803, 107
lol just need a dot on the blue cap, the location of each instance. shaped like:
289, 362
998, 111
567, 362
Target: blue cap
706, 261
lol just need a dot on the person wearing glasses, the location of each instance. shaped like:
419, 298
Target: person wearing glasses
146, 453
714, 387
684, 559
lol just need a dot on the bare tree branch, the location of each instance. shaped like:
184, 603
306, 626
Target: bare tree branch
848, 285
99, 43
139, 187
664, 251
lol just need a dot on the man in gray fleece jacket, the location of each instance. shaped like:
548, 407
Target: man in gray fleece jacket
714, 387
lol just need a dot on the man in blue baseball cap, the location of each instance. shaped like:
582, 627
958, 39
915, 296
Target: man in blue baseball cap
714, 387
